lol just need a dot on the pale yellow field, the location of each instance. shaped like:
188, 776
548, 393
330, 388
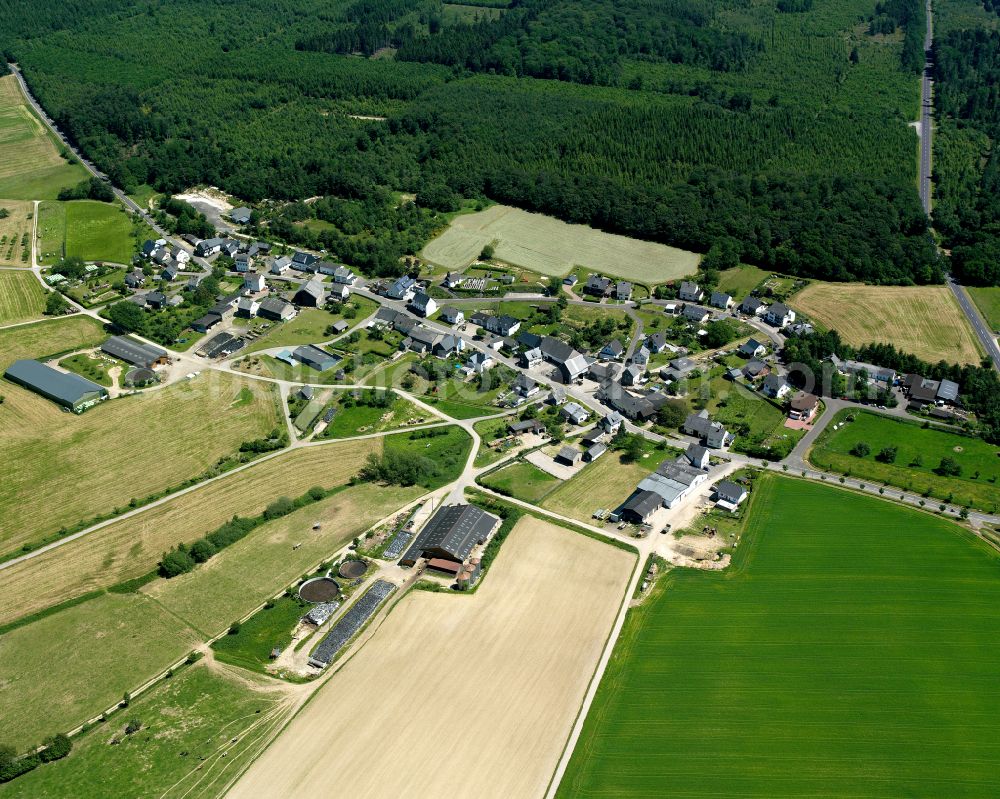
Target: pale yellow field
549, 246
132, 547
606, 483
470, 696
925, 321
57, 468
13, 230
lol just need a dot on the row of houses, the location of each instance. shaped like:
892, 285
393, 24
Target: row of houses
778, 315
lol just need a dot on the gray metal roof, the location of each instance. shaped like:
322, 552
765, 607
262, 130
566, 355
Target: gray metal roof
454, 530
65, 388
131, 351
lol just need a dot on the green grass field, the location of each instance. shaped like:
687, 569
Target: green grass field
251, 647
31, 167
522, 480
987, 300
22, 297
364, 419
447, 447
94, 231
59, 469
741, 280
49, 338
188, 722
90, 367
309, 326
52, 663
758, 424
606, 483
849, 651
919, 452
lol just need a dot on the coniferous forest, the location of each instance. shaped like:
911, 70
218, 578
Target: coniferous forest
778, 130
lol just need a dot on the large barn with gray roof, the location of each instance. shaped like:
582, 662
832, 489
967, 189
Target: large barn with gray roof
69, 390
452, 533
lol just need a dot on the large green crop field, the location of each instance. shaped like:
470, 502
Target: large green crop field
92, 230
919, 454
850, 651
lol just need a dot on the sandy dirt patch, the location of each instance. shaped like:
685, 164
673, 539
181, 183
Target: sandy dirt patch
460, 695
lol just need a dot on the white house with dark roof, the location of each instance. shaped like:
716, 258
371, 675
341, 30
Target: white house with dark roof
623, 290
254, 282
281, 265
779, 315
775, 387
729, 495
720, 299
575, 413
752, 306
451, 315
690, 292
402, 289
422, 304
752, 349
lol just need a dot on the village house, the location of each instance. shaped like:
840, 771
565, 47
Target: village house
779, 315
720, 299
690, 292
803, 406
422, 304
752, 306
713, 434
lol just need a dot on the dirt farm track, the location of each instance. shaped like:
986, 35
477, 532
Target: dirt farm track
460, 695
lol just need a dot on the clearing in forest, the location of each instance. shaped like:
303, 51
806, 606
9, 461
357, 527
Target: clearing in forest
551, 247
850, 650
920, 320
59, 469
31, 167
22, 297
497, 678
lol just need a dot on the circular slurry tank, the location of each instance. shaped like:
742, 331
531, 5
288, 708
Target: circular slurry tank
352, 569
319, 589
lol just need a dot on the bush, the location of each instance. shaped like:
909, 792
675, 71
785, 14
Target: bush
234, 628
861, 450
175, 563
133, 726
280, 507
56, 748
202, 550
948, 467
887, 455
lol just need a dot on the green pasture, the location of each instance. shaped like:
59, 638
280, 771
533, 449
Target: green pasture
919, 452
849, 651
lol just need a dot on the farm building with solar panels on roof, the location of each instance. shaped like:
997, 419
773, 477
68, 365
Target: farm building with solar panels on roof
452, 533
71, 391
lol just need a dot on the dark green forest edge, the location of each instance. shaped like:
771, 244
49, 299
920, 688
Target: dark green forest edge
775, 132
967, 165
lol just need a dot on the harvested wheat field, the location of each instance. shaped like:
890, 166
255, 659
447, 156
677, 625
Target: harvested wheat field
132, 547
922, 320
499, 676
549, 246
59, 469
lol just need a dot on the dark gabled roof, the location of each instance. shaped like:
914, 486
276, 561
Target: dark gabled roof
132, 351
65, 388
556, 350
569, 453
454, 530
529, 340
273, 305
728, 489
642, 503
315, 357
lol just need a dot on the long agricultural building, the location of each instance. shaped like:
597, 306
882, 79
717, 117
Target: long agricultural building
69, 390
451, 534
134, 352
